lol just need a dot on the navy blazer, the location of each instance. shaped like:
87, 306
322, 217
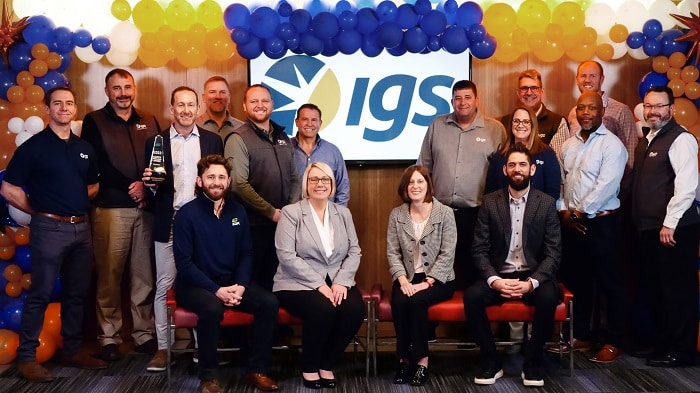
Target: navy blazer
541, 235
161, 204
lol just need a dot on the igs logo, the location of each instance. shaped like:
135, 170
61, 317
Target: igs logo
373, 108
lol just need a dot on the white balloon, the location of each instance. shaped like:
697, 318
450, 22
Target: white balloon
125, 37
15, 125
661, 10
121, 59
637, 53
30, 7
33, 125
640, 124
619, 48
19, 216
639, 111
632, 14
685, 7
22, 137
601, 17
77, 127
87, 55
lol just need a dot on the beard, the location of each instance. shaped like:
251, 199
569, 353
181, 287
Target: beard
519, 185
660, 121
215, 193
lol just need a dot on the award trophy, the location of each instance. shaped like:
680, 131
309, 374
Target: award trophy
157, 164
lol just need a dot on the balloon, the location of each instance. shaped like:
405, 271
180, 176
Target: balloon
34, 95
423, 7
692, 90
19, 216
13, 289
669, 43
240, 36
46, 348
180, 15
370, 46
468, 14
329, 48
386, 11
38, 68
367, 21
569, 16
600, 16
398, 50
209, 14
251, 49
12, 314
649, 80
15, 94
9, 342
218, 44
677, 60
40, 51
274, 47
148, 16
120, 58
635, 40
415, 40
652, 28
53, 60
652, 47
349, 41
152, 58
406, 16
87, 55
632, 14
434, 43
38, 30
484, 49
604, 52
582, 52
455, 40
673, 73
348, 20
677, 86
192, 57
618, 33
12, 273
62, 38
660, 64
639, 111
686, 113
125, 37
20, 56
15, 125
236, 15
433, 23
533, 15
101, 45
310, 44
24, 79
390, 34
341, 6
316, 6
51, 80
325, 25
52, 320
690, 74
285, 30
26, 281
661, 10
34, 124
263, 22
500, 20
285, 9
121, 9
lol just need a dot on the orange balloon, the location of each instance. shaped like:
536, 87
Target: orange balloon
46, 348
692, 90
13, 273
22, 236
53, 60
673, 73
218, 44
618, 33
52, 320
24, 78
678, 87
690, 73
605, 52
554, 32
40, 51
15, 94
686, 112
13, 289
5, 239
9, 342
26, 281
5, 111
660, 64
152, 58
677, 60
34, 94
24, 110
5, 159
38, 68
588, 35
7, 252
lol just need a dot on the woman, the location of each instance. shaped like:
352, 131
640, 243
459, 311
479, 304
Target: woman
421, 241
318, 256
524, 129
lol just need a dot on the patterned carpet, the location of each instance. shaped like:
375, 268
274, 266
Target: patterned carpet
451, 372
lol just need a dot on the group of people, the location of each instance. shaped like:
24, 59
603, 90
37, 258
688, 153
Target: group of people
249, 218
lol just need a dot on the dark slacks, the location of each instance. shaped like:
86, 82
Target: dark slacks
410, 316
327, 330
257, 301
465, 271
671, 281
64, 249
593, 262
264, 255
478, 296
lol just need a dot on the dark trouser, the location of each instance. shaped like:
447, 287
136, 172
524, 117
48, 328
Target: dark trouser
264, 255
593, 261
257, 301
64, 249
327, 330
672, 282
465, 271
545, 299
410, 316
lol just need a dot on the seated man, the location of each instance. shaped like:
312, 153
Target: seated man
517, 250
213, 255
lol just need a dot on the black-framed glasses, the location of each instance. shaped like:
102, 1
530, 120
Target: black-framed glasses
324, 180
657, 106
525, 122
524, 89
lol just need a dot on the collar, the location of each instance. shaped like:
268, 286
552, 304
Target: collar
478, 121
174, 133
522, 199
204, 117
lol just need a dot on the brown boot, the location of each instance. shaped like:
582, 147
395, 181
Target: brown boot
83, 360
33, 372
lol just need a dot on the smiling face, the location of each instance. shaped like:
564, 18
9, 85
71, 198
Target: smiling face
417, 188
318, 184
657, 110
530, 92
214, 182
589, 77
521, 127
465, 102
216, 97
308, 123
518, 170
184, 110
258, 105
121, 92
61, 108
589, 111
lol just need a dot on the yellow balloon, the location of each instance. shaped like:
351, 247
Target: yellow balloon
536, 41
148, 41
692, 90
210, 15
180, 15
677, 60
519, 37
660, 64
148, 16
582, 53
533, 15
198, 34
554, 32
605, 52
677, 86
500, 20
618, 33
550, 52
686, 113
152, 58
192, 57
121, 9
507, 51
569, 16
218, 44
588, 35
690, 73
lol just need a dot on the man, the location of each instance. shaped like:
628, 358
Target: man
553, 127
264, 177
213, 254
456, 151
122, 228
593, 162
216, 117
517, 251
59, 171
183, 145
309, 147
667, 221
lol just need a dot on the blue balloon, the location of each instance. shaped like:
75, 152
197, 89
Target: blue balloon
469, 13
415, 40
455, 40
652, 28
370, 45
286, 30
301, 19
325, 25
316, 7
476, 33
669, 45
23, 258
66, 60
62, 35
450, 6
20, 56
263, 22
649, 80
52, 79
347, 20
236, 15
39, 30
348, 41
251, 49
406, 16
274, 46
389, 34
484, 49
101, 45
367, 21
81, 38
285, 9
292, 42
386, 11
635, 39
398, 50
423, 7
433, 23
342, 6
310, 44
12, 314
652, 47
240, 35
329, 47
434, 43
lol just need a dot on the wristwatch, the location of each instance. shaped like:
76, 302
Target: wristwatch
573, 217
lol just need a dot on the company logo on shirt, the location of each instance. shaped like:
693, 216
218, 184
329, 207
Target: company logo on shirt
482, 140
235, 222
539, 162
281, 142
84, 156
141, 126
653, 154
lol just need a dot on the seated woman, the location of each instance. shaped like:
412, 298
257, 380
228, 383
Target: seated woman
421, 241
318, 256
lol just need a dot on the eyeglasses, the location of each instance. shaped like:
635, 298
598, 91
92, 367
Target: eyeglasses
525, 122
324, 180
657, 106
524, 89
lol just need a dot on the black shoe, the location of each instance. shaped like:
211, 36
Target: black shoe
641, 352
149, 347
109, 353
420, 376
312, 384
668, 361
489, 375
327, 383
532, 376
403, 374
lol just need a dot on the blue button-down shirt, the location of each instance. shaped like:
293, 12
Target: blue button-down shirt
328, 153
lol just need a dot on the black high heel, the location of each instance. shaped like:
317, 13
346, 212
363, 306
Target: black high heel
403, 374
315, 384
420, 376
327, 383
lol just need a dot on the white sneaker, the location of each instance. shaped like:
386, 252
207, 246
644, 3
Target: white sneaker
488, 377
532, 379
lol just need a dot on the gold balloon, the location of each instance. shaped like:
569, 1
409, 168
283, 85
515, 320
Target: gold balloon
686, 113
677, 86
677, 60
690, 74
660, 64
692, 90
618, 33
605, 52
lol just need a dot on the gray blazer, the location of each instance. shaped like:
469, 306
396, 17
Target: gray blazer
437, 243
303, 262
541, 235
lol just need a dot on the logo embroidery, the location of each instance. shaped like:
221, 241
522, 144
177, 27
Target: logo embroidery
482, 140
653, 154
281, 142
141, 126
84, 156
539, 162
235, 222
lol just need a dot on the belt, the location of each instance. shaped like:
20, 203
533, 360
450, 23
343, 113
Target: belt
69, 219
605, 213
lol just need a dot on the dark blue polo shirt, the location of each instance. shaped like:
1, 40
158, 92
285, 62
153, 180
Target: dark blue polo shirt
55, 172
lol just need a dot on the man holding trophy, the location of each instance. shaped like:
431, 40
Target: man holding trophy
170, 177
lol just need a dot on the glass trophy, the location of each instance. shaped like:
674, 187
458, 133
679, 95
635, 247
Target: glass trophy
157, 164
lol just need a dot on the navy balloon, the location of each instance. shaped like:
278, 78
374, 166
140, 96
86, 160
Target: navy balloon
81, 38
39, 29
310, 44
635, 39
240, 36
649, 80
398, 50
406, 16
367, 21
286, 30
52, 79
415, 40
342, 6
449, 8
652, 28
476, 33
434, 43
101, 45
251, 49
389, 34
469, 13
386, 11
293, 43
274, 45
652, 47
275, 55
325, 25
483, 49
263, 22
301, 19
455, 40
348, 41
433, 23
669, 43
329, 47
423, 7
12, 314
66, 60
285, 9
236, 15
347, 20
316, 7
370, 45
23, 258
20, 56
